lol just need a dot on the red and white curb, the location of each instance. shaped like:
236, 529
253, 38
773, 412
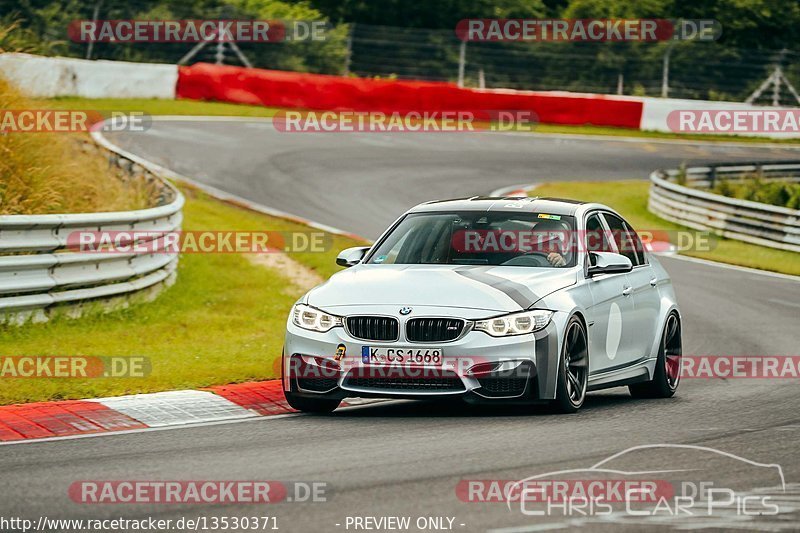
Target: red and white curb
70, 418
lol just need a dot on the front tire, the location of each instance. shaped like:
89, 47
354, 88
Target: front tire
667, 374
573, 371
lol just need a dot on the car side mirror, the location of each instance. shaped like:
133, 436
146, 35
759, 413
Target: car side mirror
608, 263
351, 256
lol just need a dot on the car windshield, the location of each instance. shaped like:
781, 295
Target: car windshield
480, 238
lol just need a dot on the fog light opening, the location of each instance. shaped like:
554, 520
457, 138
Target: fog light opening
482, 369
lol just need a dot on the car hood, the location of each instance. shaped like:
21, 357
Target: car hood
491, 288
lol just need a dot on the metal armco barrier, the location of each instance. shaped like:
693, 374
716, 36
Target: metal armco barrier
743, 220
37, 271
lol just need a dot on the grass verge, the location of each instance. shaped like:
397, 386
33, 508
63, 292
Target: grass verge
194, 107
153, 106
222, 321
630, 199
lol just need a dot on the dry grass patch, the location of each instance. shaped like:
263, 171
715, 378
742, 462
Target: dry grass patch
47, 173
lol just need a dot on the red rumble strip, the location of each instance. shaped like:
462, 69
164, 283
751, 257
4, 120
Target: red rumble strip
264, 397
140, 411
59, 419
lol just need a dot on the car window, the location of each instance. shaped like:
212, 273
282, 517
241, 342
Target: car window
596, 238
637, 245
423, 242
623, 240
508, 238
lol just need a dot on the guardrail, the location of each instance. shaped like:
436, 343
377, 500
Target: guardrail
39, 273
743, 220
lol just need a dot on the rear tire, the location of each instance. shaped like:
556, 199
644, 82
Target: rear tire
311, 405
667, 374
573, 369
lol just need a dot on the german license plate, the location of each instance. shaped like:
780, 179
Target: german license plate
401, 356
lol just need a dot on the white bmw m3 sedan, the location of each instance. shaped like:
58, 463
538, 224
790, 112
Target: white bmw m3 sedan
491, 300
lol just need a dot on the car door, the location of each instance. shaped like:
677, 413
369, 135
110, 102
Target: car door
643, 321
610, 340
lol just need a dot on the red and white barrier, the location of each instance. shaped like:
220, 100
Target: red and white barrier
656, 116
48, 77
321, 92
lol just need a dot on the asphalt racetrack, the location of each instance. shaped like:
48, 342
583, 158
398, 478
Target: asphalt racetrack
407, 458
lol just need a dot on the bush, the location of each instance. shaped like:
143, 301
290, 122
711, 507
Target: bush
780, 193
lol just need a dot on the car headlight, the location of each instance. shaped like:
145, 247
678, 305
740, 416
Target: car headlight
515, 323
307, 317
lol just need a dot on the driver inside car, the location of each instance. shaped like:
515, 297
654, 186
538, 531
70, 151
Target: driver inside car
510, 241
552, 238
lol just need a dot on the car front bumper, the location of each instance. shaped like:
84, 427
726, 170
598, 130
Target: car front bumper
312, 368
